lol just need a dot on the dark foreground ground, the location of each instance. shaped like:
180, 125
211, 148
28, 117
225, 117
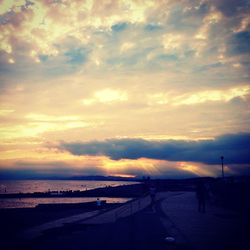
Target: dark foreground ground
140, 231
144, 230
225, 225
12, 221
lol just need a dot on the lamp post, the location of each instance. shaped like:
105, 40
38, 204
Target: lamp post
222, 166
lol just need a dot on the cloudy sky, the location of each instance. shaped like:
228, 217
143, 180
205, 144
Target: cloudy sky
124, 87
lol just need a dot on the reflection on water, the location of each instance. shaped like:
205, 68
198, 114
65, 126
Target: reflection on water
32, 202
31, 186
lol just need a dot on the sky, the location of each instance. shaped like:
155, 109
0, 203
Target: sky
124, 87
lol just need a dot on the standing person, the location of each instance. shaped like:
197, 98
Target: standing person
98, 203
201, 196
146, 186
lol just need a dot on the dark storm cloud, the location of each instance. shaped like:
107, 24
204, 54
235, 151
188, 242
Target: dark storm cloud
234, 147
31, 170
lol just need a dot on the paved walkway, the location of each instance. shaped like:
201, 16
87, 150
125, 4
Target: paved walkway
212, 230
177, 213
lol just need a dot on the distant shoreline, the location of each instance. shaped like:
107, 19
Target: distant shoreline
74, 178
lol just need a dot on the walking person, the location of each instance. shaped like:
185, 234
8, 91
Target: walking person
152, 193
201, 194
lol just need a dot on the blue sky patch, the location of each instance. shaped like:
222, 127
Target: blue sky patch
152, 27
77, 55
43, 58
119, 27
239, 43
168, 57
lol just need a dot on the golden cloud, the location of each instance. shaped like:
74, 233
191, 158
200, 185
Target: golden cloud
223, 95
106, 96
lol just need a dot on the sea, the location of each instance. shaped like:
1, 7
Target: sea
31, 186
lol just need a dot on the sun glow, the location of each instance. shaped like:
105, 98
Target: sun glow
195, 169
137, 71
106, 96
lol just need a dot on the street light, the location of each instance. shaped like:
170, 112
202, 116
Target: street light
222, 166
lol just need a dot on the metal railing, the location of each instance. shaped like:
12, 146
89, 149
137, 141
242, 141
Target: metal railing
128, 208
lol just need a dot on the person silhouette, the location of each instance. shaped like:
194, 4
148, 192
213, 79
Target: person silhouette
152, 193
98, 203
201, 196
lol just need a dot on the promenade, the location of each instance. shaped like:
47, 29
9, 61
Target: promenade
217, 228
138, 225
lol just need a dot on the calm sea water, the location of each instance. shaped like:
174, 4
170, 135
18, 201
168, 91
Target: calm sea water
30, 186
33, 202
